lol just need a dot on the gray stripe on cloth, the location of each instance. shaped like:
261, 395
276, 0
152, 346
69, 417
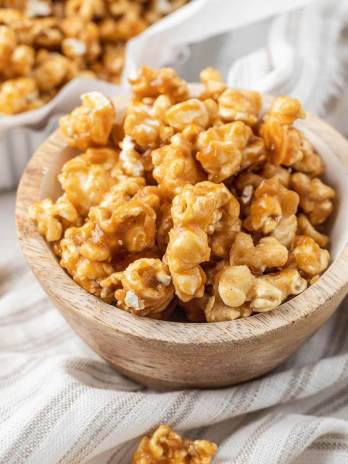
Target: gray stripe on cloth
181, 408
297, 383
124, 451
19, 372
326, 405
323, 445
49, 339
297, 438
333, 403
100, 426
36, 429
26, 313
249, 445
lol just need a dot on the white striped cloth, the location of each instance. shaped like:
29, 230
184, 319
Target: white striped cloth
59, 403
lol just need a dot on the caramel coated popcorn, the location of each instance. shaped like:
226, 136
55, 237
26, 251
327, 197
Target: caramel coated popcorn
165, 446
144, 287
51, 42
188, 207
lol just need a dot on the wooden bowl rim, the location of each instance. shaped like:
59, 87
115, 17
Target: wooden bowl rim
36, 250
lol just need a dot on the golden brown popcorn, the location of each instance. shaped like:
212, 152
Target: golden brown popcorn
86, 178
200, 205
22, 61
85, 41
160, 106
187, 249
152, 195
91, 123
187, 138
191, 111
149, 82
271, 290
225, 228
144, 288
74, 48
245, 184
213, 83
285, 231
213, 111
272, 170
112, 60
43, 33
267, 254
164, 224
124, 190
271, 202
285, 110
132, 223
220, 149
52, 71
213, 208
238, 292
240, 105
17, 95
8, 44
53, 218
232, 286
8, 16
158, 9
306, 228
129, 25
311, 163
146, 131
254, 153
247, 179
86, 9
86, 255
165, 446
316, 198
309, 257
174, 167
282, 140
35, 8
130, 159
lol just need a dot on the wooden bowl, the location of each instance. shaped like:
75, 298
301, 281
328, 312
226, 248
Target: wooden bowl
175, 355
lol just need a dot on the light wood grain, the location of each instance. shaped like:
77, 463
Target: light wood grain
164, 354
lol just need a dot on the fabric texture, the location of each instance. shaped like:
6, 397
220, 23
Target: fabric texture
60, 403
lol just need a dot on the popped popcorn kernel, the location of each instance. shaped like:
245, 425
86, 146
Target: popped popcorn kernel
90, 124
283, 140
166, 446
